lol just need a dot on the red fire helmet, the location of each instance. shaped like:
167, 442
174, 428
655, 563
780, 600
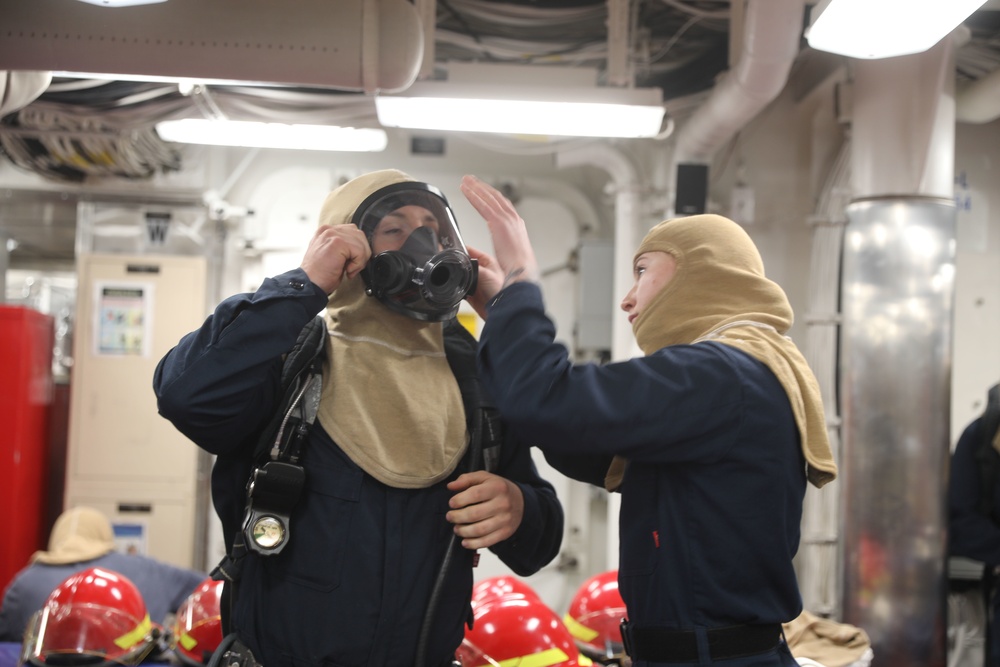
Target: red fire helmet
594, 615
518, 631
500, 587
93, 617
197, 630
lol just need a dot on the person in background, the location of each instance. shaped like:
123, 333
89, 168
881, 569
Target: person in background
710, 438
82, 538
974, 512
397, 471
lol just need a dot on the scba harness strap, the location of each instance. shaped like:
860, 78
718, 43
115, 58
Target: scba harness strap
275, 487
277, 481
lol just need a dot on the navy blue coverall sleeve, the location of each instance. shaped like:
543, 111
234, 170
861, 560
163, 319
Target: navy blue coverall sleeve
589, 469
217, 385
593, 411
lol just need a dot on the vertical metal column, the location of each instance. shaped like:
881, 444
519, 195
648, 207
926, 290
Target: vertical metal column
895, 377
895, 366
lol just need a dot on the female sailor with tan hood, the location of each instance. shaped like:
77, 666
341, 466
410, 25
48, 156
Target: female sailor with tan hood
711, 437
371, 562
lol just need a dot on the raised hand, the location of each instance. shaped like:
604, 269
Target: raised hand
511, 245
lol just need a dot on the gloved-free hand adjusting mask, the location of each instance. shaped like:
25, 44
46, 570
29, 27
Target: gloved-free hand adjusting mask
419, 266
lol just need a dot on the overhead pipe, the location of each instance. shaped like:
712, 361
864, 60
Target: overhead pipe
19, 89
581, 208
979, 102
976, 101
354, 45
626, 227
772, 34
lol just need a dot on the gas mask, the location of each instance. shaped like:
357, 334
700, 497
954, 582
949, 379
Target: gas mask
419, 265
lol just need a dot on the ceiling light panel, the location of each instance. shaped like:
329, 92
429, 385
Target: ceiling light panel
534, 110
253, 134
871, 29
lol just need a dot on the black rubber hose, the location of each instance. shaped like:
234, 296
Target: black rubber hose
224, 645
475, 454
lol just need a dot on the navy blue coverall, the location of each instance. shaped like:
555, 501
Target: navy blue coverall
712, 497
351, 588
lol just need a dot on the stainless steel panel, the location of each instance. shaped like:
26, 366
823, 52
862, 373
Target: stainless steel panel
898, 281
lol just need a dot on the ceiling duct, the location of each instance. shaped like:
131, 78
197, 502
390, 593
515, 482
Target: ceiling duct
770, 45
979, 102
19, 89
355, 45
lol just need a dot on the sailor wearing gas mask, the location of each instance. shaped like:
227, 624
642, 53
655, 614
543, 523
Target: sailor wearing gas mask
359, 465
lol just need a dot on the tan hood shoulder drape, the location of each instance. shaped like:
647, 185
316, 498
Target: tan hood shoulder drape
719, 292
389, 400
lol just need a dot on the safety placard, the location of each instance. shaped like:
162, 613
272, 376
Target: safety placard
122, 319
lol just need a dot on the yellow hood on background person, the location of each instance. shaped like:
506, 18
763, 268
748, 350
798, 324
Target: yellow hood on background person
719, 293
390, 400
79, 534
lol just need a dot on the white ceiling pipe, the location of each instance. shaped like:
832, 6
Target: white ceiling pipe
19, 89
979, 102
627, 232
581, 208
773, 29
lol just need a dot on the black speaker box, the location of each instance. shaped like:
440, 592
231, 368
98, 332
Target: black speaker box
692, 189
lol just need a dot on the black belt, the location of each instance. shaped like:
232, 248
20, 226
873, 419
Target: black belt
659, 644
235, 653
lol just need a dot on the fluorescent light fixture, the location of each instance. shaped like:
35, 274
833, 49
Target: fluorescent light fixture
532, 110
121, 3
272, 135
884, 28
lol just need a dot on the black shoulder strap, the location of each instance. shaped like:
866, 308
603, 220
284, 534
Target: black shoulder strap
986, 454
308, 349
482, 417
460, 348
301, 365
